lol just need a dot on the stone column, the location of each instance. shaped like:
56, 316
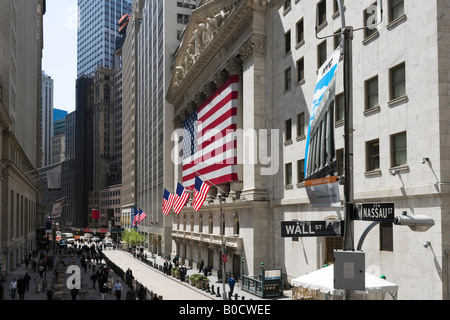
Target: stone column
254, 115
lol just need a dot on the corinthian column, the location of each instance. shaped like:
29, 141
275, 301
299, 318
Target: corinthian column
254, 114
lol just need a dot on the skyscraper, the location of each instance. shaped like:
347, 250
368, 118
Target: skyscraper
97, 33
47, 119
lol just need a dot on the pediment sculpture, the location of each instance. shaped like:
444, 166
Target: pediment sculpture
201, 37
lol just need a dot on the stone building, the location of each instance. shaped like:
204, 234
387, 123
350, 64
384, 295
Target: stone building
400, 140
20, 141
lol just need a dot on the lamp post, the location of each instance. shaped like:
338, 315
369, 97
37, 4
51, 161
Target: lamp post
224, 240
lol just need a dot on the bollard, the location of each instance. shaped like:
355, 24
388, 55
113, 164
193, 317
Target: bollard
218, 292
212, 290
207, 288
243, 298
235, 296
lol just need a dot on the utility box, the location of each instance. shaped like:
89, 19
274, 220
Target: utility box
349, 270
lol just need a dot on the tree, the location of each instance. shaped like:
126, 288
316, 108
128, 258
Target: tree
132, 237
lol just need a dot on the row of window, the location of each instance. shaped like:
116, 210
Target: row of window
398, 155
397, 91
396, 11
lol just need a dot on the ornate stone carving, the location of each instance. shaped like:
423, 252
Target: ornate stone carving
256, 46
201, 37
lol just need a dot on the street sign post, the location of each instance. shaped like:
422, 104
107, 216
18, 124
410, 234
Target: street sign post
291, 229
374, 212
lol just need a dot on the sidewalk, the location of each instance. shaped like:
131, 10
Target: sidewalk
59, 285
171, 288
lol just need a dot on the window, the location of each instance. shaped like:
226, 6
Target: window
373, 155
321, 12
398, 81
300, 31
337, 39
287, 5
287, 42
287, 79
336, 6
396, 9
370, 20
399, 149
321, 54
371, 88
340, 161
386, 236
288, 132
301, 124
301, 69
339, 107
300, 171
288, 174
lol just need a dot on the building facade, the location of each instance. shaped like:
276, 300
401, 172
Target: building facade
157, 41
47, 119
399, 142
129, 110
20, 81
97, 33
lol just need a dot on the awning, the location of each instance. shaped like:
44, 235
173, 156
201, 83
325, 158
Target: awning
323, 280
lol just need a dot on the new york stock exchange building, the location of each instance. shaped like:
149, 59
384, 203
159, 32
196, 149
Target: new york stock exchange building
242, 88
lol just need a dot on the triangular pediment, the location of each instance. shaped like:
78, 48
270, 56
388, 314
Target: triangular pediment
206, 22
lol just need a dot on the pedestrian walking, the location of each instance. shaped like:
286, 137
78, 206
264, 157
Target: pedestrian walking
74, 293
27, 279
231, 283
37, 283
104, 291
118, 289
110, 283
142, 293
94, 278
21, 288
13, 288
131, 294
50, 294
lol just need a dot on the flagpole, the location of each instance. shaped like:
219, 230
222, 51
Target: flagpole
222, 233
209, 181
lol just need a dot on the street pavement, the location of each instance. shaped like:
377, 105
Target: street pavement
171, 288
58, 284
168, 287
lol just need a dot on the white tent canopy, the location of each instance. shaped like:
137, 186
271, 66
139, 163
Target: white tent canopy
322, 281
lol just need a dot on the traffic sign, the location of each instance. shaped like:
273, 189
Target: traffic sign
374, 212
224, 258
291, 229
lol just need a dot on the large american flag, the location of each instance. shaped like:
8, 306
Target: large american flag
209, 139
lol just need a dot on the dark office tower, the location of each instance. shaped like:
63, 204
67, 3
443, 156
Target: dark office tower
97, 33
83, 146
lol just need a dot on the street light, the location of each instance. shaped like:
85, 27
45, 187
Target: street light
224, 239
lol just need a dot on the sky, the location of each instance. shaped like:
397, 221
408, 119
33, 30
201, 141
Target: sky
60, 51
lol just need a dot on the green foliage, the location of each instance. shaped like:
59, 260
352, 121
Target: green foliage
132, 237
198, 277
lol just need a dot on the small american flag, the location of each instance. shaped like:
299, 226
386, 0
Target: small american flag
181, 197
200, 193
167, 202
141, 216
209, 137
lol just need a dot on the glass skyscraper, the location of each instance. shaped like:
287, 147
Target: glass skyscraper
97, 33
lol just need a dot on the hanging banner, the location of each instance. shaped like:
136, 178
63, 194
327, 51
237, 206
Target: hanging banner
57, 209
321, 179
95, 214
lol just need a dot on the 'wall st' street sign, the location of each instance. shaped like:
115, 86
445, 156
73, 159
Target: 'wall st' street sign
374, 212
291, 229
